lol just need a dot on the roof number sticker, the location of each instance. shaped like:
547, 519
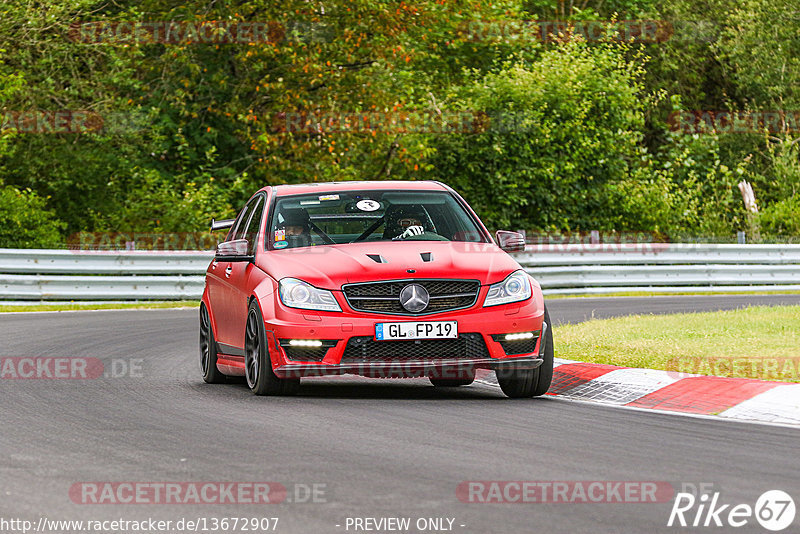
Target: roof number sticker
368, 205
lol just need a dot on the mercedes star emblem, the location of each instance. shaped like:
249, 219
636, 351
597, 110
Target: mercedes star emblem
414, 298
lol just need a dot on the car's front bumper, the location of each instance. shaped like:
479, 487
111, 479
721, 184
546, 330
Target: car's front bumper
481, 333
444, 368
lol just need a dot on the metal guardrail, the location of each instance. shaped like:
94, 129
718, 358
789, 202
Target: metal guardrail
36, 275
90, 275
662, 267
28, 261
47, 287
659, 254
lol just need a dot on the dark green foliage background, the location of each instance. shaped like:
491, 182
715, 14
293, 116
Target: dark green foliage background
577, 136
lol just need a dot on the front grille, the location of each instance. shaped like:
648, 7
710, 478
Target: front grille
517, 346
384, 297
365, 349
306, 354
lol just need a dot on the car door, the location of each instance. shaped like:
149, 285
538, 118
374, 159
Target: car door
221, 289
240, 274
216, 291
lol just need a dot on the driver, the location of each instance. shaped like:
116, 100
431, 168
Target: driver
406, 221
296, 227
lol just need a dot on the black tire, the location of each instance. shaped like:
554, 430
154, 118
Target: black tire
258, 366
544, 374
526, 383
208, 350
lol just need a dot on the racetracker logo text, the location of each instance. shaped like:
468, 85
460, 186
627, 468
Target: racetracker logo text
177, 493
567, 491
69, 368
176, 32
757, 367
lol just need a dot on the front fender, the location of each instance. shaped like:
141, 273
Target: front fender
204, 300
265, 293
538, 296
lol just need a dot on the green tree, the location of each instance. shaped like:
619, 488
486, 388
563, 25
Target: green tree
565, 133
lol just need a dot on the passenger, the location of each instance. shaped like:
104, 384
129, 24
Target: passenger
296, 227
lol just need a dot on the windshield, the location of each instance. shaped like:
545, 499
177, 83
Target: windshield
354, 216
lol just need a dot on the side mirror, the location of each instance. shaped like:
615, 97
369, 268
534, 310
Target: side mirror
510, 241
221, 225
235, 250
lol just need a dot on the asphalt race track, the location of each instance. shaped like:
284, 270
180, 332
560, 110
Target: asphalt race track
376, 448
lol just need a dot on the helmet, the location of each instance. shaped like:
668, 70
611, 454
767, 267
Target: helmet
295, 217
398, 217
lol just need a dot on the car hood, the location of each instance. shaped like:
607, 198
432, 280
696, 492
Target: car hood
331, 266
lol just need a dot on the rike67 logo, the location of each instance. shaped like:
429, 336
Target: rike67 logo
774, 510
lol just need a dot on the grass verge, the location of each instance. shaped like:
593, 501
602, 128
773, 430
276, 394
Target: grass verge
760, 342
100, 306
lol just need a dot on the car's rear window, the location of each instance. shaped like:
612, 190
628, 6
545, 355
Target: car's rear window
338, 218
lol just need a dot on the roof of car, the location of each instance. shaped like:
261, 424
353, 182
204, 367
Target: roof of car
333, 187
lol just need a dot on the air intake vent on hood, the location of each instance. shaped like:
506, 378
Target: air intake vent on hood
377, 258
426, 256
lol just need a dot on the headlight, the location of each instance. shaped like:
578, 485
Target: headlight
514, 288
298, 294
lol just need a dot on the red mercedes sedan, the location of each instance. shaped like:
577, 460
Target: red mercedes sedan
381, 279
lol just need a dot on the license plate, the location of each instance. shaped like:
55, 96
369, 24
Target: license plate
416, 330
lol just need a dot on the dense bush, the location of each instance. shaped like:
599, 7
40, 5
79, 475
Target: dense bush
25, 222
781, 220
562, 134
